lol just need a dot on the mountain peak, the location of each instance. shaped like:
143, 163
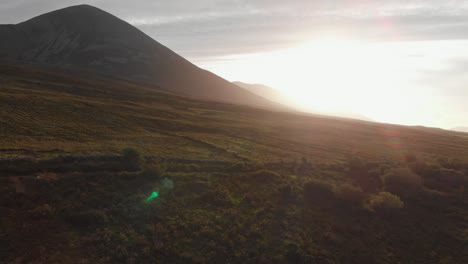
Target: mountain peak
82, 9
80, 18
78, 36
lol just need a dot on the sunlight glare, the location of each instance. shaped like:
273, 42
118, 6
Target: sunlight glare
380, 81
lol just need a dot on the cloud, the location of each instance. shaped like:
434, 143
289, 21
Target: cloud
239, 26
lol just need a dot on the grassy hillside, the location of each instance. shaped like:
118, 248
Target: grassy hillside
43, 111
234, 184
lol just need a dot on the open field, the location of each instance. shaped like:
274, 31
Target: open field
235, 184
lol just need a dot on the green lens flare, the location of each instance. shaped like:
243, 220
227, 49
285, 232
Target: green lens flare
152, 196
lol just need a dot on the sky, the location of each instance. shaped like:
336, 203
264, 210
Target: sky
392, 61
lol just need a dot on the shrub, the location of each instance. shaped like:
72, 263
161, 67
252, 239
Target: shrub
424, 169
88, 218
402, 181
385, 201
411, 157
264, 175
216, 198
153, 171
448, 163
18, 165
42, 210
451, 178
349, 194
304, 167
356, 163
132, 158
437, 177
316, 189
286, 192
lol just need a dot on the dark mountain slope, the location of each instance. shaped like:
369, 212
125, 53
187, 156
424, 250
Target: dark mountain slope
87, 38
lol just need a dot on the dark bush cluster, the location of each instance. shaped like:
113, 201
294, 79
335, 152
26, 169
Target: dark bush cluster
402, 181
132, 158
317, 190
440, 177
364, 174
349, 194
86, 218
153, 171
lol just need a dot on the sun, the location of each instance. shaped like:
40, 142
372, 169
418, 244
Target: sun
332, 75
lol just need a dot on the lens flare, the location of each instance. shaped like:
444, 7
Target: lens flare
153, 195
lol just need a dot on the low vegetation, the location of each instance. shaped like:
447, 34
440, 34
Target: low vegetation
216, 212
384, 201
402, 181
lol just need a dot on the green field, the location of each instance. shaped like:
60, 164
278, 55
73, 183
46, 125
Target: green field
235, 184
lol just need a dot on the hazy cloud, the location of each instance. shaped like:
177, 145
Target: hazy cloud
198, 28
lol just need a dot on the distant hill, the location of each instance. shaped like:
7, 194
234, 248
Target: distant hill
460, 129
86, 38
276, 96
266, 92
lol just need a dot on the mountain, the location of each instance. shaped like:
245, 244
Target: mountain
88, 39
276, 96
460, 129
266, 92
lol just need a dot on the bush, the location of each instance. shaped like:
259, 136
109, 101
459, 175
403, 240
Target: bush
286, 192
42, 210
264, 175
18, 165
132, 158
411, 157
152, 171
89, 218
451, 178
356, 163
447, 163
423, 169
316, 190
216, 198
349, 194
402, 181
385, 201
437, 177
